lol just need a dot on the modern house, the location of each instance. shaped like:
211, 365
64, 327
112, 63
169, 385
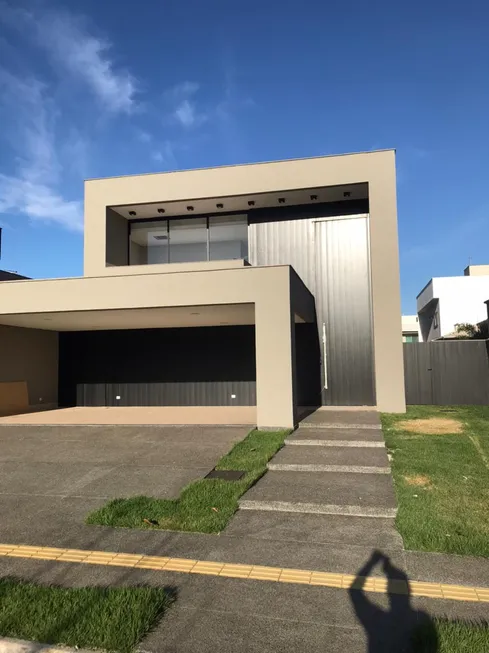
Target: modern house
269, 286
447, 301
410, 328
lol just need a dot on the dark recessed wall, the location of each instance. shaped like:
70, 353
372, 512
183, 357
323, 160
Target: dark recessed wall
145, 367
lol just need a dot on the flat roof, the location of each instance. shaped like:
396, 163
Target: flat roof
241, 165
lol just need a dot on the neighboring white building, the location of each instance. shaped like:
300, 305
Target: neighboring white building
410, 328
447, 301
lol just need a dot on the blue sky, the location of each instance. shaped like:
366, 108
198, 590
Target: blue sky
94, 88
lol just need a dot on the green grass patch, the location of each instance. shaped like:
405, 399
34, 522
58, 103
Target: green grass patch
442, 481
446, 636
203, 506
114, 619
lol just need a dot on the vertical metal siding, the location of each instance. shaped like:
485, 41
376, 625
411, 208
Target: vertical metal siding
344, 305
192, 393
447, 372
332, 258
289, 242
417, 373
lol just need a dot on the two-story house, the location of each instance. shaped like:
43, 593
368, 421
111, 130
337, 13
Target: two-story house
269, 286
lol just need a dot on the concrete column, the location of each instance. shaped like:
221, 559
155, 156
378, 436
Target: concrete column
274, 362
386, 296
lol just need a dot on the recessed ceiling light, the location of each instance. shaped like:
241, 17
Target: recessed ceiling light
347, 193
251, 203
161, 210
281, 200
132, 212
190, 208
219, 206
314, 197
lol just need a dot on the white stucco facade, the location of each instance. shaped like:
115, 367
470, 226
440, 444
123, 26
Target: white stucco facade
447, 301
410, 328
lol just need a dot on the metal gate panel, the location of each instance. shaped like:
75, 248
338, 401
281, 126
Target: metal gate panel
447, 372
418, 373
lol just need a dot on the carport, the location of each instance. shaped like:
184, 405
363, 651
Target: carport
212, 346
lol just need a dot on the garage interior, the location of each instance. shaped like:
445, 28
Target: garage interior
204, 357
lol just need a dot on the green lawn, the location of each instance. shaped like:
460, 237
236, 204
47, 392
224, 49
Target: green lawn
204, 506
451, 637
114, 619
448, 509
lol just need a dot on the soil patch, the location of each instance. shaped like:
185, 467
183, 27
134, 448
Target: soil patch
432, 425
419, 480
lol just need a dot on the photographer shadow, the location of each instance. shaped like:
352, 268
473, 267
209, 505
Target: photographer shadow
390, 630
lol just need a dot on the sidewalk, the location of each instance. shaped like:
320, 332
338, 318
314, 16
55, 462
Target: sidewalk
223, 614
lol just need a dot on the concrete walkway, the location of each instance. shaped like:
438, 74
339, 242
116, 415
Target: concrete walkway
334, 464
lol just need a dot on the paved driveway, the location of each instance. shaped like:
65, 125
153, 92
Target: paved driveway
52, 476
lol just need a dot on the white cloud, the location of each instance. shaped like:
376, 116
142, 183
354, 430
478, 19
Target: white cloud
166, 156
85, 56
32, 189
181, 91
186, 113
39, 202
143, 136
184, 107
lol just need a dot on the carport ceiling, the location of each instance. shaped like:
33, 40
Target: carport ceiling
139, 318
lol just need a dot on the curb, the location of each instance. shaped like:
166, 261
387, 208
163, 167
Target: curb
8, 645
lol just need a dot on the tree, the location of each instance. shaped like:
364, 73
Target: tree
465, 330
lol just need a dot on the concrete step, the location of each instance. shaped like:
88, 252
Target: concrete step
342, 419
361, 444
368, 435
340, 530
348, 492
338, 469
318, 508
338, 425
335, 455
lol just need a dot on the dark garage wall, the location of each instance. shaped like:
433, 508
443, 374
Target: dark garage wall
158, 367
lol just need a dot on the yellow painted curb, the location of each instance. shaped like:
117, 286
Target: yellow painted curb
250, 572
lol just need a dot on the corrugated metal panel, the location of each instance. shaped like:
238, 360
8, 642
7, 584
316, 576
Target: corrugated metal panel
212, 393
417, 373
447, 372
289, 242
344, 308
332, 259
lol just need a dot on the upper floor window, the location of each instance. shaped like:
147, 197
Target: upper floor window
184, 240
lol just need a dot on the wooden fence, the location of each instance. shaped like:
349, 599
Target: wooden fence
447, 372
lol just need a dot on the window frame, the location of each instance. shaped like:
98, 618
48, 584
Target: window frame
168, 219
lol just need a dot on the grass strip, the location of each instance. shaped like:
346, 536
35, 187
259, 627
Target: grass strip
445, 636
442, 480
205, 505
110, 618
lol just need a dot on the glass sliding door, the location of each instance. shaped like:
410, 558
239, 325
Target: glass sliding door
188, 240
149, 243
228, 237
